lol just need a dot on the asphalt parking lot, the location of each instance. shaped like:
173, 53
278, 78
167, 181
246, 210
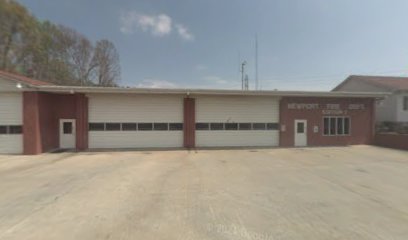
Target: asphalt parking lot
358, 192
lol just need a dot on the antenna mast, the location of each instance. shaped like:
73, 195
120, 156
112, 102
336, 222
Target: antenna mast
243, 74
256, 63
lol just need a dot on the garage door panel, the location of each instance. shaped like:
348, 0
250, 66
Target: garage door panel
237, 109
11, 114
135, 139
132, 110
237, 139
135, 108
11, 144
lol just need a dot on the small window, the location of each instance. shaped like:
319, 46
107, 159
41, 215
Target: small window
96, 127
245, 126
326, 124
145, 126
112, 126
3, 129
405, 103
231, 126
332, 126
300, 127
175, 126
202, 126
340, 126
129, 126
160, 126
346, 126
217, 126
67, 127
15, 129
258, 126
272, 126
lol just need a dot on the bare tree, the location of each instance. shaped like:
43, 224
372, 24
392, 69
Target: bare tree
79, 52
106, 59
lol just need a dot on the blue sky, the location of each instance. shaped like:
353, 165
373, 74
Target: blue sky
303, 44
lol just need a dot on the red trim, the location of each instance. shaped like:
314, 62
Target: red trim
189, 122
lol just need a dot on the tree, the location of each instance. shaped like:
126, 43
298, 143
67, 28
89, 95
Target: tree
53, 53
79, 54
106, 58
17, 34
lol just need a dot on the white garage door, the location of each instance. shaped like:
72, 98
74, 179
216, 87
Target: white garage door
135, 121
237, 121
11, 111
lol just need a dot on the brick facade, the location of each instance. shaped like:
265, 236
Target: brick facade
41, 115
362, 120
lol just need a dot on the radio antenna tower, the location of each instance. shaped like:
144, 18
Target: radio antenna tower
256, 63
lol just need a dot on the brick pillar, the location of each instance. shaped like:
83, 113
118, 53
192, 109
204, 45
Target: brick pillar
189, 122
81, 122
31, 124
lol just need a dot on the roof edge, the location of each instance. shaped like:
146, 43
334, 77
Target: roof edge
185, 91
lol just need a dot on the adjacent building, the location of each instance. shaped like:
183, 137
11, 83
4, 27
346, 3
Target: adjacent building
37, 117
394, 108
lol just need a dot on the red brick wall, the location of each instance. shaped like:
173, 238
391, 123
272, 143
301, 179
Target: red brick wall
42, 112
392, 140
31, 123
362, 121
189, 122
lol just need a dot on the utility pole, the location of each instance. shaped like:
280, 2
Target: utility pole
243, 74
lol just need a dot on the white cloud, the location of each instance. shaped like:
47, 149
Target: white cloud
184, 32
200, 67
158, 25
155, 83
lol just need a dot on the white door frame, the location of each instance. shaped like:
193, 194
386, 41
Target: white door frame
300, 138
67, 139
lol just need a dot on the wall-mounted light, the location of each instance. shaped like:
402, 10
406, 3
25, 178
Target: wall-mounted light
19, 86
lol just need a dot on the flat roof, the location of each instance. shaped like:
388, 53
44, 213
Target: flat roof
182, 91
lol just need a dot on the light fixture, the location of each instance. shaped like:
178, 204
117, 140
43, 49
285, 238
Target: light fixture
19, 86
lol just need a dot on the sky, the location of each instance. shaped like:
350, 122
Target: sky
302, 44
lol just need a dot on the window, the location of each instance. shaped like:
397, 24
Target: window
332, 126
258, 126
231, 126
340, 126
300, 127
346, 126
160, 126
3, 129
217, 126
96, 126
405, 103
272, 126
129, 126
112, 126
336, 126
15, 129
245, 126
67, 127
145, 126
202, 126
175, 126
326, 125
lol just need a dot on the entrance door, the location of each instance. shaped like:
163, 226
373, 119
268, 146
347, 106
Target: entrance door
300, 133
67, 133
